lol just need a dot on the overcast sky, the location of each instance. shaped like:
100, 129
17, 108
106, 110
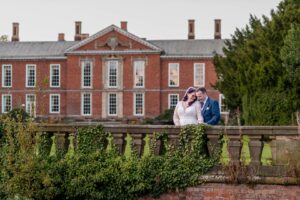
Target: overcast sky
42, 20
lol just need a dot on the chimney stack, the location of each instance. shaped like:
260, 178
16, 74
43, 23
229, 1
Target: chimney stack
124, 25
84, 36
77, 31
15, 32
191, 29
218, 29
61, 37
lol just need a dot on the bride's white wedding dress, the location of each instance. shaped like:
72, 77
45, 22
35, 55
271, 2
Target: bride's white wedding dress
190, 115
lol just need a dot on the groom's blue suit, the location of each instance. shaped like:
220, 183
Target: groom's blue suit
211, 112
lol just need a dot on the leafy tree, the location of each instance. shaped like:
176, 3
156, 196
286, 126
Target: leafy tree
252, 75
290, 55
3, 38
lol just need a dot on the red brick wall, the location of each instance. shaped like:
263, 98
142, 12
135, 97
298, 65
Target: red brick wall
186, 79
126, 43
214, 191
156, 83
42, 89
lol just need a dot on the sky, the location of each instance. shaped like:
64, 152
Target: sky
42, 20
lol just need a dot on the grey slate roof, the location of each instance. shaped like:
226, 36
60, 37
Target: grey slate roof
201, 48
34, 50
56, 49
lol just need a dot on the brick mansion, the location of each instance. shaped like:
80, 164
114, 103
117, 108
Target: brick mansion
110, 75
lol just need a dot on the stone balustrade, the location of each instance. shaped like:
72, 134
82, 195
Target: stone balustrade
266, 145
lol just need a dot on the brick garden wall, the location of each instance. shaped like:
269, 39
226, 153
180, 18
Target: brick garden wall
211, 191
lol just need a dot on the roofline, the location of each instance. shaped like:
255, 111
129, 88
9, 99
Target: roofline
112, 52
185, 56
34, 58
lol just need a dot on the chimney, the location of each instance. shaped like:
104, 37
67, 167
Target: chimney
15, 32
191, 29
218, 29
124, 25
84, 36
77, 31
61, 37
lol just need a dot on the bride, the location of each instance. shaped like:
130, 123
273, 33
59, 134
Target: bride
187, 111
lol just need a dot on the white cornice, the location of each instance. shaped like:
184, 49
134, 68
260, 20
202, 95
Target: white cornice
185, 56
97, 52
34, 58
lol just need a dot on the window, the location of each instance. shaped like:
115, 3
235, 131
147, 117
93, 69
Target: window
112, 73
30, 104
139, 73
86, 104
54, 103
173, 100
30, 75
199, 74
86, 74
6, 75
223, 107
138, 104
112, 104
6, 103
173, 74
55, 75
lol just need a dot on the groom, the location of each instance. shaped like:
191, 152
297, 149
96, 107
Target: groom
209, 108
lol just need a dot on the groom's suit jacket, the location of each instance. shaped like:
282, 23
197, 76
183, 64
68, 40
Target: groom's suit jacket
211, 112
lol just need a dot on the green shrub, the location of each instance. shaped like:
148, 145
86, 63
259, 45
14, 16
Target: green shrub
93, 172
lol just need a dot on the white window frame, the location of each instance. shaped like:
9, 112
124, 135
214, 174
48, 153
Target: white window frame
134, 104
82, 104
221, 97
201, 65
3, 75
169, 100
28, 103
136, 65
51, 106
108, 73
2, 103
170, 65
82, 73
27, 75
52, 66
108, 104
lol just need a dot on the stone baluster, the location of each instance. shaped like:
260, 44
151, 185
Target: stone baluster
61, 140
234, 148
138, 142
119, 142
255, 146
173, 140
213, 144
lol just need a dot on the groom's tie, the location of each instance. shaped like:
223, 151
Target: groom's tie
201, 103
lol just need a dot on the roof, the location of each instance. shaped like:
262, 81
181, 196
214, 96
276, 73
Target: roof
190, 48
109, 29
34, 50
57, 49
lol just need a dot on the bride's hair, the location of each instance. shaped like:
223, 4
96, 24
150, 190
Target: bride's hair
189, 91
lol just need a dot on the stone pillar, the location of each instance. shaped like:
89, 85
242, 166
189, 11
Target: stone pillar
234, 148
138, 142
61, 142
119, 142
255, 146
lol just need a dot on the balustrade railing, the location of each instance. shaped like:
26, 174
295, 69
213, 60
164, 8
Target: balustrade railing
264, 145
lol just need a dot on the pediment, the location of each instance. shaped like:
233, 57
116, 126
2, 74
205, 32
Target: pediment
113, 38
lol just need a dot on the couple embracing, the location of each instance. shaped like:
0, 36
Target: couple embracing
196, 107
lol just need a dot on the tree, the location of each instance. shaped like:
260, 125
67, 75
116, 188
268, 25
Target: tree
290, 56
251, 74
4, 38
